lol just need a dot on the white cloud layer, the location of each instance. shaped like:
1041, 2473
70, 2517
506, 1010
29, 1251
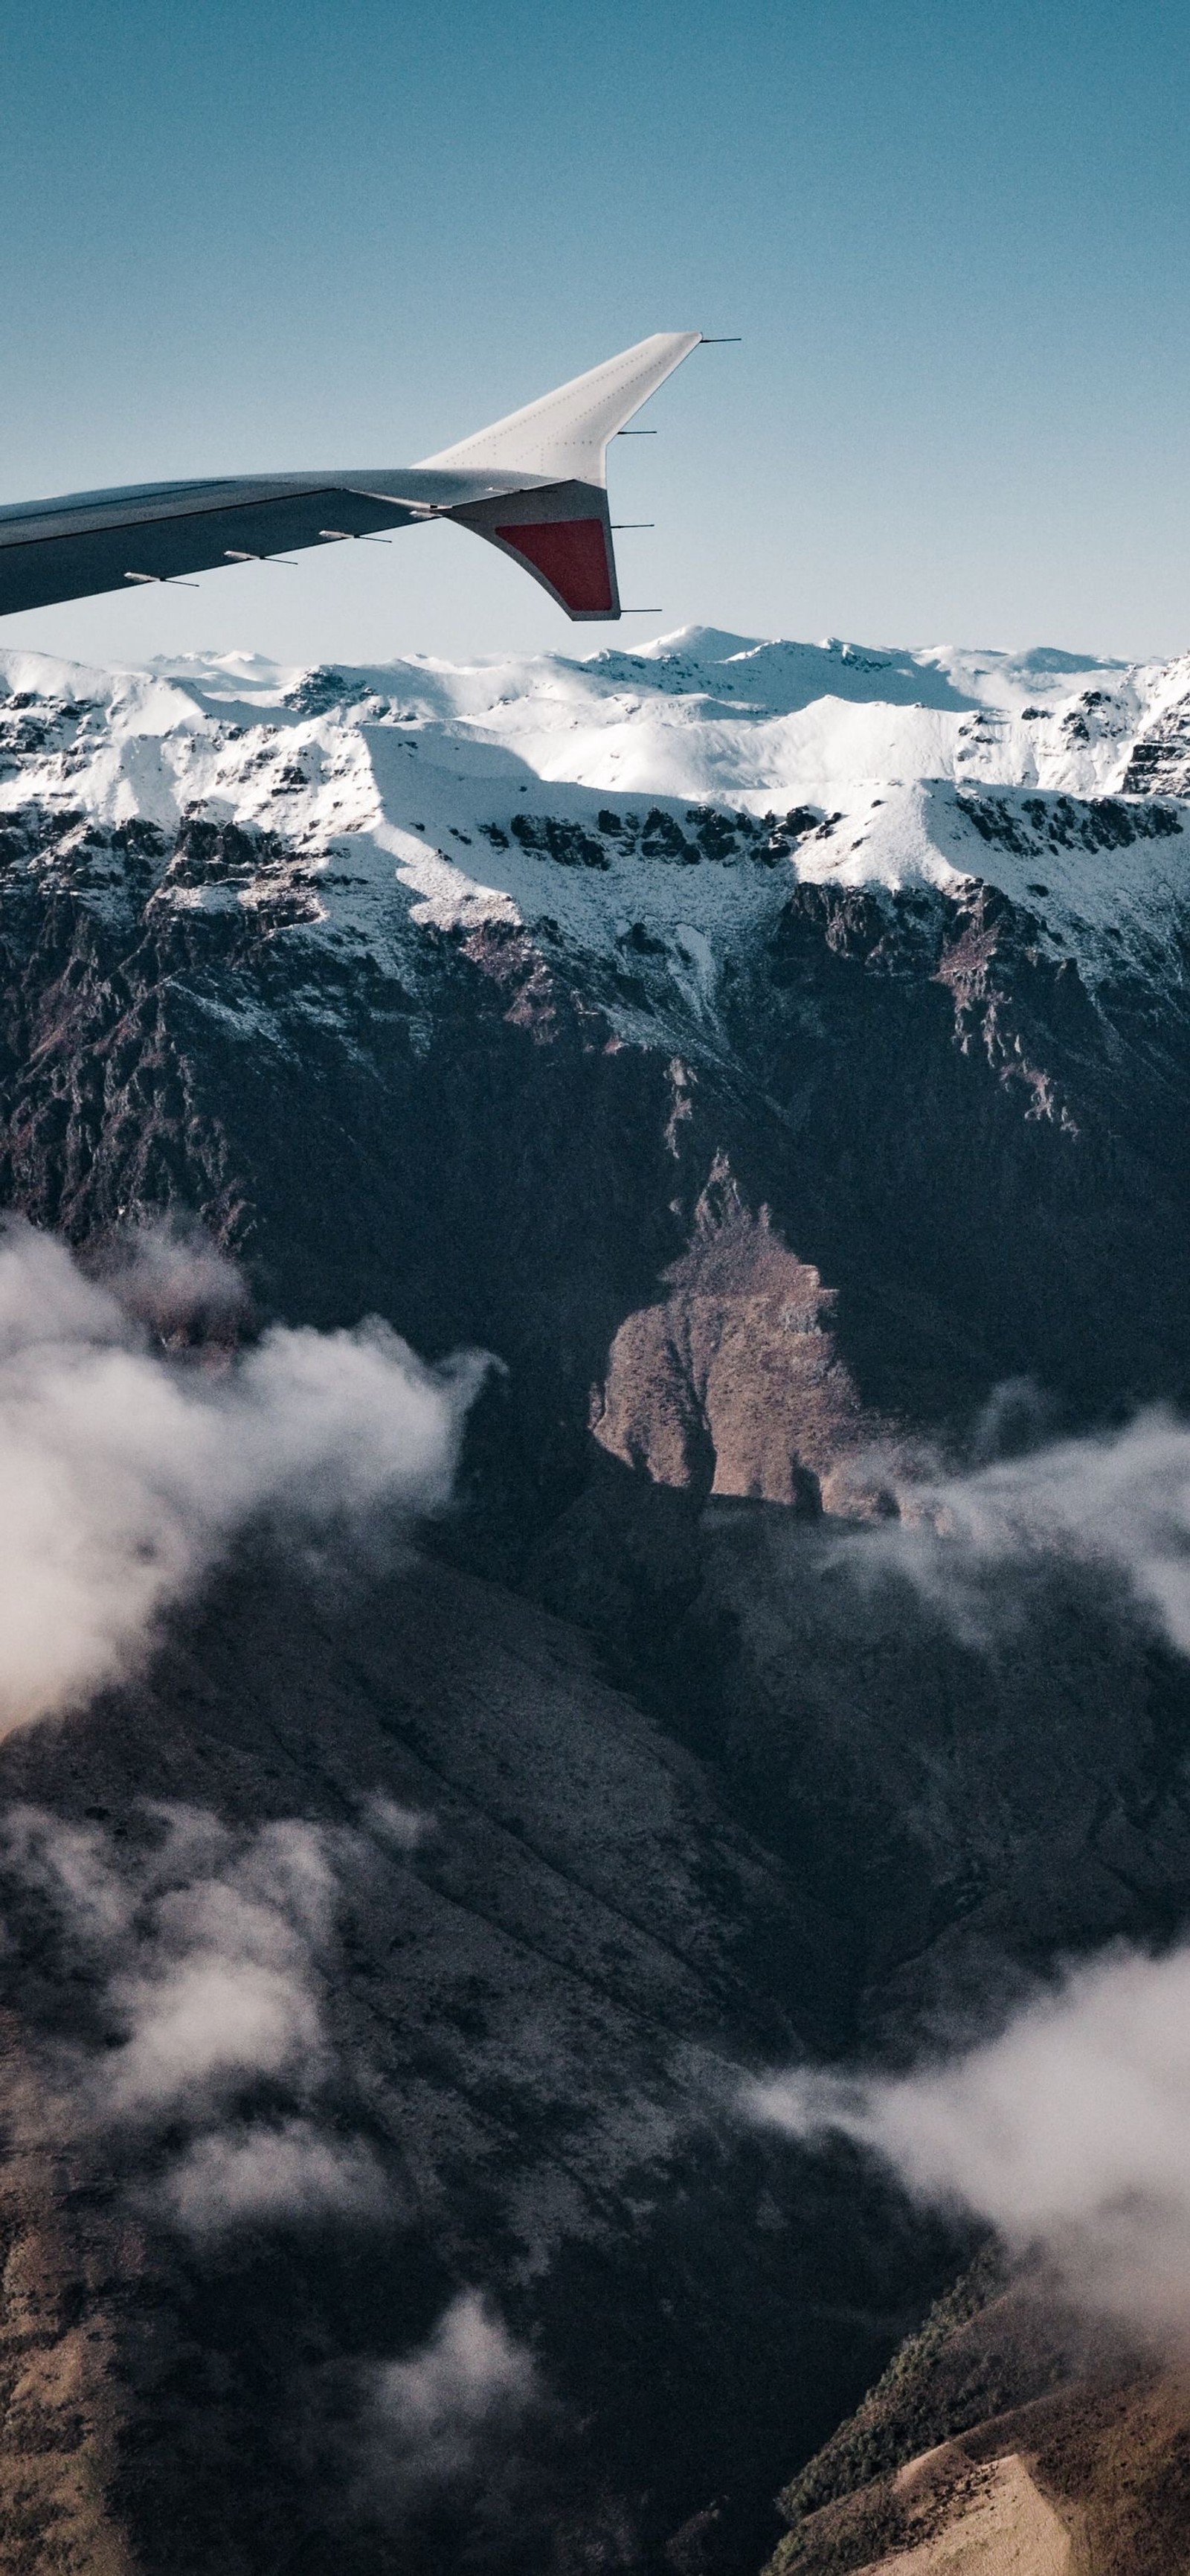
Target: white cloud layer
221, 1987
210, 1953
289, 2170
435, 2417
124, 1473
218, 2091
1121, 1500
1070, 2131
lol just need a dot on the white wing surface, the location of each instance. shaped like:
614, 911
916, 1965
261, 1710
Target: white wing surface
566, 435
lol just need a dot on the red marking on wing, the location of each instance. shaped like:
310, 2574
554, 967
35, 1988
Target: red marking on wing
572, 553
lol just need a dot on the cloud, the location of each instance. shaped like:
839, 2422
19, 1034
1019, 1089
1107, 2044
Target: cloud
166, 1274
436, 2419
209, 2075
124, 1473
1120, 1501
221, 1986
402, 1828
70, 1865
208, 1953
289, 2170
206, 2028
1069, 2132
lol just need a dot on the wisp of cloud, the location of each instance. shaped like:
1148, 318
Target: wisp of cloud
209, 1951
1069, 2132
1120, 1499
124, 1473
436, 2417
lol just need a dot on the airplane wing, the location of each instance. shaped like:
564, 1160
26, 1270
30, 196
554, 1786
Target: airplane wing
534, 484
558, 526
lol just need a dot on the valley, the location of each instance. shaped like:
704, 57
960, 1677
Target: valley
777, 1059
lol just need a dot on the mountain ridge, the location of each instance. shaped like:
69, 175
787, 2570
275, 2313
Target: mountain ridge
791, 1092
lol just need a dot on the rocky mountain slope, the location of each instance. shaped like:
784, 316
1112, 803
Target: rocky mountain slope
1003, 2434
223, 883
778, 1057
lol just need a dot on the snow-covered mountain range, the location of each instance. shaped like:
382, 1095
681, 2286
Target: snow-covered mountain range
676, 788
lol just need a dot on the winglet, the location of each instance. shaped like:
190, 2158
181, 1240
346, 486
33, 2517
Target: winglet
558, 527
565, 436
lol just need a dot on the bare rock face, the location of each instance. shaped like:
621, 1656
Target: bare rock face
66, 2414
736, 1384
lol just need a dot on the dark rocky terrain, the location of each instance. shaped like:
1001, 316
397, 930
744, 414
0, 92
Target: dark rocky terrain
705, 1785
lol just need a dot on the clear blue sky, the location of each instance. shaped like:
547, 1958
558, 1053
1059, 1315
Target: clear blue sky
310, 232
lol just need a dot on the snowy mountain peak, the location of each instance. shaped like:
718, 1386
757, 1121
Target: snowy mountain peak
675, 791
